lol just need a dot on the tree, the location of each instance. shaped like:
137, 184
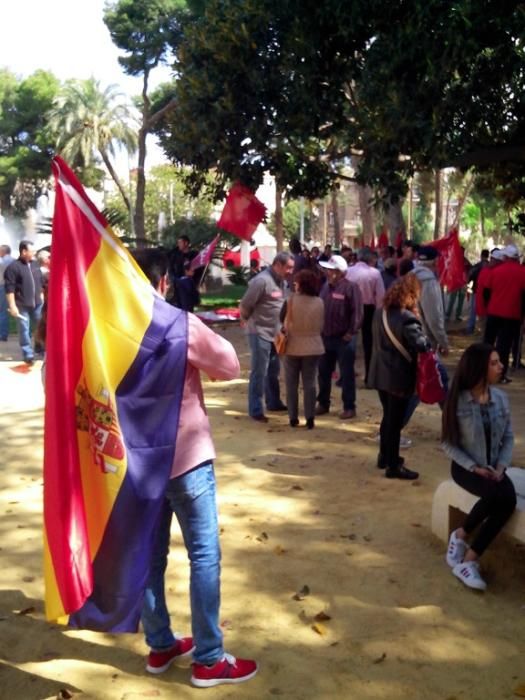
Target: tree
165, 195
91, 122
26, 140
146, 30
297, 88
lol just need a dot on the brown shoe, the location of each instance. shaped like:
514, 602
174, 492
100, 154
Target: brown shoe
261, 419
346, 415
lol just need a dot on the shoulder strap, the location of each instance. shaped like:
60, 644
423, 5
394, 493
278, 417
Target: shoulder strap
395, 342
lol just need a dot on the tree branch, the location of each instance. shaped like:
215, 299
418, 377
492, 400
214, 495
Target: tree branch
154, 118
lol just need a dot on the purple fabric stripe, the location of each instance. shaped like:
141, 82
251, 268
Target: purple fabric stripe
148, 404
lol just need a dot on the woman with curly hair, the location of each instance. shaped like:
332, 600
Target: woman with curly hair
477, 437
397, 339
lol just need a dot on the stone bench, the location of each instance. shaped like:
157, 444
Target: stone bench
451, 503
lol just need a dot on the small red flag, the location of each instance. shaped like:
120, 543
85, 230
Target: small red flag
204, 257
383, 238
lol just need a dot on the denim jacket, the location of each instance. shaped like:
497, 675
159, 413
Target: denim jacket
472, 451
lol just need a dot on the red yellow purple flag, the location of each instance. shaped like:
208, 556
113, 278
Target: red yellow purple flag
115, 365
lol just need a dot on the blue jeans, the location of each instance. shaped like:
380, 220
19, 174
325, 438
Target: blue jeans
4, 316
264, 376
342, 352
192, 498
471, 323
28, 315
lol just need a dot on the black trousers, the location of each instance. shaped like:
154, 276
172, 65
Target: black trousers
366, 334
495, 506
502, 332
394, 409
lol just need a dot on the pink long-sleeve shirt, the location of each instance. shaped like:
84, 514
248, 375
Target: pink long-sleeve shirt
369, 281
213, 354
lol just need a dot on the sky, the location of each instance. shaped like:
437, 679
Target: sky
69, 38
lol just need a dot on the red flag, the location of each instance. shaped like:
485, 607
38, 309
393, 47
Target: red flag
242, 213
383, 238
451, 262
203, 259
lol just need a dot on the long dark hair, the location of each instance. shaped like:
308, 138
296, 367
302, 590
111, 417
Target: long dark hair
472, 370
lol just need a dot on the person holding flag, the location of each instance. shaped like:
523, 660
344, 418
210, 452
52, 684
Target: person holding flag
126, 443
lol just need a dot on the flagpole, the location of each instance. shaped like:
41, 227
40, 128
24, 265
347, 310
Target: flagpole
203, 276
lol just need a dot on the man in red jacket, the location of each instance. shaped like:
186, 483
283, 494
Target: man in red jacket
504, 290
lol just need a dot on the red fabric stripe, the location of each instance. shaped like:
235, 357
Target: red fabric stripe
75, 245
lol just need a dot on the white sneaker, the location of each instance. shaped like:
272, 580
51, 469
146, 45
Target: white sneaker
456, 550
404, 443
468, 573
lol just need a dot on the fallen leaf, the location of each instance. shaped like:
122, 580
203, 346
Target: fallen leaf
26, 611
279, 550
227, 624
28, 579
319, 628
367, 538
296, 487
262, 537
322, 617
301, 595
416, 483
64, 694
380, 659
416, 524
351, 536
519, 690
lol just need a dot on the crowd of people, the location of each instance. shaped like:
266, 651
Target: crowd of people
320, 302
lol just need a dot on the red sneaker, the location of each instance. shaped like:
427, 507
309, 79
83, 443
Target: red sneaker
227, 670
160, 661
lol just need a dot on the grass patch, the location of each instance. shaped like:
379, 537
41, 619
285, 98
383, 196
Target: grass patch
224, 298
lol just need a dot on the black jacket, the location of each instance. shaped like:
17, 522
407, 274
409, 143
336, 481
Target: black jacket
389, 370
25, 280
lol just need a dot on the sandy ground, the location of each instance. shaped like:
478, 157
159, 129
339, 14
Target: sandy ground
299, 510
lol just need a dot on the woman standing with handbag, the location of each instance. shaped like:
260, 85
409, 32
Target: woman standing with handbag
303, 315
397, 339
477, 436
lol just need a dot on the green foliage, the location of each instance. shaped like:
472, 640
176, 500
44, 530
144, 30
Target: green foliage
91, 123
295, 88
238, 275
26, 139
292, 220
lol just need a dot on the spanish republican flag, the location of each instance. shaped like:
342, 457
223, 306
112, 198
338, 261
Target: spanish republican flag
115, 366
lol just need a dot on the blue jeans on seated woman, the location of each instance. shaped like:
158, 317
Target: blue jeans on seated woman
191, 497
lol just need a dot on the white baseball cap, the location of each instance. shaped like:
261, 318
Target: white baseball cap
511, 251
336, 262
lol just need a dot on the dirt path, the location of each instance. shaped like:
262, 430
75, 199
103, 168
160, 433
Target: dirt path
299, 510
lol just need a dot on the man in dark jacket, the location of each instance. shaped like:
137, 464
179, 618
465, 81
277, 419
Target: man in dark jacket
343, 318
23, 286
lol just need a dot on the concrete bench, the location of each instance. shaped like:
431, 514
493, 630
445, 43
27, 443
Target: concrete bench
451, 503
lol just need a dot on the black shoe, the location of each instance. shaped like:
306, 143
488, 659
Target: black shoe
401, 473
321, 410
310, 423
294, 422
261, 419
30, 361
279, 407
381, 464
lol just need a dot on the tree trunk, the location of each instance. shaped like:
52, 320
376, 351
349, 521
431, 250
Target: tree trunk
279, 231
367, 213
138, 217
337, 224
394, 219
461, 202
116, 179
438, 192
482, 220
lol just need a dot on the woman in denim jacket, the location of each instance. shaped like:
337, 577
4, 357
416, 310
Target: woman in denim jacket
477, 436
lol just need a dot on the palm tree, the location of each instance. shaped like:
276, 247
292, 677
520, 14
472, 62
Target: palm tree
91, 123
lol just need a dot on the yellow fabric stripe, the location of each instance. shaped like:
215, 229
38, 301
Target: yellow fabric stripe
121, 305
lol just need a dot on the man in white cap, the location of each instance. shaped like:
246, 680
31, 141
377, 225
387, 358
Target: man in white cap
504, 294
343, 318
